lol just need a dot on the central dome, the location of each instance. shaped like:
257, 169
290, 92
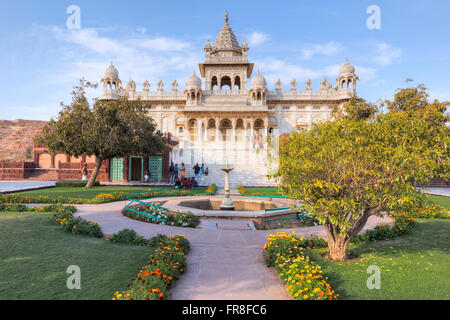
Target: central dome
226, 40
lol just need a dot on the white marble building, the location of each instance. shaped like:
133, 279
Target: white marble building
221, 116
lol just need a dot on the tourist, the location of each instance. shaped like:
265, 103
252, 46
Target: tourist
182, 172
147, 177
187, 183
178, 184
171, 174
206, 171
196, 172
175, 172
202, 169
194, 183
84, 172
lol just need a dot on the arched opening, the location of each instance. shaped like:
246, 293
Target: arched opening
237, 84
225, 82
350, 84
239, 131
225, 129
193, 129
211, 129
214, 84
343, 84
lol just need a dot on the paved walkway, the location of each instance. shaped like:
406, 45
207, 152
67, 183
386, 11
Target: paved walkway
225, 263
17, 186
444, 192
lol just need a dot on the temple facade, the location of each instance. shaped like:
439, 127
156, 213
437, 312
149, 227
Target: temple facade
226, 114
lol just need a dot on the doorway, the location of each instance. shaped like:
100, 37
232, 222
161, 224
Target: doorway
136, 169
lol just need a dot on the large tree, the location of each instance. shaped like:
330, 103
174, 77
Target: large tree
108, 129
356, 166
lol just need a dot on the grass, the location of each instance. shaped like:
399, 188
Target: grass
35, 254
413, 266
77, 192
438, 200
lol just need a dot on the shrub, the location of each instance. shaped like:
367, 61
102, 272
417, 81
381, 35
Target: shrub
74, 183
304, 278
167, 263
82, 227
128, 236
179, 219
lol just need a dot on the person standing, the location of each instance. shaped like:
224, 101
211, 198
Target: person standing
196, 172
182, 172
84, 172
175, 172
171, 173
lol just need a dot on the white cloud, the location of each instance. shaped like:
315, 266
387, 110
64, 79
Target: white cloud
257, 38
142, 30
386, 54
329, 49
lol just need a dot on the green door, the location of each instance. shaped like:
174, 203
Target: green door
155, 168
116, 169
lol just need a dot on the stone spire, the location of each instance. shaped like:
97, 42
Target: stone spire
226, 40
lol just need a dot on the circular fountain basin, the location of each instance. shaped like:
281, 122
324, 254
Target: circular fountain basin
210, 207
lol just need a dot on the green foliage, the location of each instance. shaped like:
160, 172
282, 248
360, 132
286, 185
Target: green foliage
74, 183
349, 169
355, 109
128, 236
113, 128
82, 227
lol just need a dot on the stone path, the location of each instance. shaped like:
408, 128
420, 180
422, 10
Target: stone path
225, 262
444, 192
13, 186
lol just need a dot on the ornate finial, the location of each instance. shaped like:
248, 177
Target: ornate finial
226, 17
346, 60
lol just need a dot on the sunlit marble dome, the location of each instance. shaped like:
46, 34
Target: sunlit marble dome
347, 68
194, 82
111, 72
258, 81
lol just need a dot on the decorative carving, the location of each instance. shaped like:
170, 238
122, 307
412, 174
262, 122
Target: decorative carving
146, 85
308, 84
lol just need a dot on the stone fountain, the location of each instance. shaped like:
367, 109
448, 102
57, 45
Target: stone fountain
227, 203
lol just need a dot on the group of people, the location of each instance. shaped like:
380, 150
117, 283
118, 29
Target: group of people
179, 180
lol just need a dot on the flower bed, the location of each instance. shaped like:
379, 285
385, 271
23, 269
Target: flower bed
154, 280
178, 219
432, 212
304, 278
100, 198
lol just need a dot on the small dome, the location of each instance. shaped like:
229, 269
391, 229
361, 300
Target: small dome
258, 82
347, 68
194, 82
111, 72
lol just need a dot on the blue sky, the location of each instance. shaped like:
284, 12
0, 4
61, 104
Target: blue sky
41, 60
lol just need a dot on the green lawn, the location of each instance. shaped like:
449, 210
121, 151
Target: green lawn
440, 201
414, 266
35, 253
77, 192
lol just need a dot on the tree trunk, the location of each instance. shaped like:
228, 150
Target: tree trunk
98, 164
337, 244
